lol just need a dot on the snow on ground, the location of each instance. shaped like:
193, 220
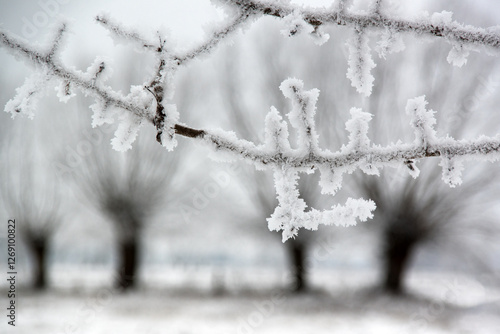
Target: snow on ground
342, 302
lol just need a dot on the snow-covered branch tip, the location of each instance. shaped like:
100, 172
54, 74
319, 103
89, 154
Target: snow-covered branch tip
124, 33
360, 62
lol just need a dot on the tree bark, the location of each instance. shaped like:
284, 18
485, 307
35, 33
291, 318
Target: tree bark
39, 248
297, 254
398, 250
128, 255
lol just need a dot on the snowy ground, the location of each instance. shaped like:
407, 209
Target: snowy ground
439, 304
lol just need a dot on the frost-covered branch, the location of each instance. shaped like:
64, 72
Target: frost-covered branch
360, 62
438, 25
277, 153
124, 33
462, 38
215, 37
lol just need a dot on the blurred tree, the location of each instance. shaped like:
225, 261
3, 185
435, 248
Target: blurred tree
245, 117
30, 192
412, 212
128, 188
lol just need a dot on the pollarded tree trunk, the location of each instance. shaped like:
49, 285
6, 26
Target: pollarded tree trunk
396, 263
39, 249
297, 254
128, 261
401, 239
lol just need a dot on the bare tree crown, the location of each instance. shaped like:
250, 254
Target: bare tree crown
149, 103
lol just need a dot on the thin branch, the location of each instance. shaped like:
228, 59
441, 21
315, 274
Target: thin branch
377, 6
123, 32
57, 40
453, 31
216, 37
77, 78
380, 155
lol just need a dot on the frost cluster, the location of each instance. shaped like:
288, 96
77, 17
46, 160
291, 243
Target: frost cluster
291, 213
295, 25
390, 42
423, 121
26, 100
458, 55
360, 63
